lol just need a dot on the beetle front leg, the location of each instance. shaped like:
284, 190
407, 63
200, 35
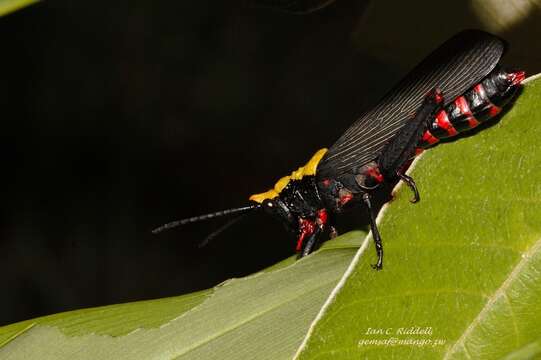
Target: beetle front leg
309, 232
310, 244
306, 240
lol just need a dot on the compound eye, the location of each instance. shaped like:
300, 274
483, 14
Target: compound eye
268, 203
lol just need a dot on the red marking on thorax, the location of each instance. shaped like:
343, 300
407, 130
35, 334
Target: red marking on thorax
322, 217
419, 151
307, 228
344, 199
442, 119
462, 104
429, 138
374, 173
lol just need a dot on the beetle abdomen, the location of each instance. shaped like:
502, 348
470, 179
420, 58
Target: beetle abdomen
479, 104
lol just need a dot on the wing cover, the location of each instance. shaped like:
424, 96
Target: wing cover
454, 67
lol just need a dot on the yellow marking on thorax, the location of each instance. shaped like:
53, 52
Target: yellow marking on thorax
308, 169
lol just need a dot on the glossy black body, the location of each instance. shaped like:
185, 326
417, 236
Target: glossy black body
495, 91
454, 67
299, 199
460, 81
440, 97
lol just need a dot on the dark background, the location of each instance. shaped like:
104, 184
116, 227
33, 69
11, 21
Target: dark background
119, 117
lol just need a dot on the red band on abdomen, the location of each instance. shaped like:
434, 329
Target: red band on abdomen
462, 104
429, 138
493, 109
443, 122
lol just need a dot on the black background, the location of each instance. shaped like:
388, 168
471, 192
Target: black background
119, 117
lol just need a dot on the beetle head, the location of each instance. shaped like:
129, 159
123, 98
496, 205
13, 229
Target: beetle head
278, 209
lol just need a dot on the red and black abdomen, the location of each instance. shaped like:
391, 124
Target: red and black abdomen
477, 105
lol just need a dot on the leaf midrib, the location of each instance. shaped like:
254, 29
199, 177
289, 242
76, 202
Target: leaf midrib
500, 292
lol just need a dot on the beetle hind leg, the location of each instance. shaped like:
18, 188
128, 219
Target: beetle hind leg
401, 148
397, 154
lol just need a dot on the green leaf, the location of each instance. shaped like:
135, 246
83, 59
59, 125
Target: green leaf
529, 351
461, 278
263, 316
463, 266
9, 6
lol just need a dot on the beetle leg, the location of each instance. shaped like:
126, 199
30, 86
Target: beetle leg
311, 229
401, 148
305, 241
310, 244
411, 183
375, 233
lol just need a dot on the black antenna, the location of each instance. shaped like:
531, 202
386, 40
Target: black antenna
221, 229
176, 223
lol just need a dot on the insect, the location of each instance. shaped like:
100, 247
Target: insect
457, 87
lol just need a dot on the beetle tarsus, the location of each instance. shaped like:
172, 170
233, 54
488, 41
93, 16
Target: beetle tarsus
375, 233
411, 183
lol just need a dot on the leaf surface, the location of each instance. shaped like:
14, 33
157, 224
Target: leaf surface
263, 316
9, 6
462, 273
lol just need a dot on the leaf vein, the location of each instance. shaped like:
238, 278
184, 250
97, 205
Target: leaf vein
515, 273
